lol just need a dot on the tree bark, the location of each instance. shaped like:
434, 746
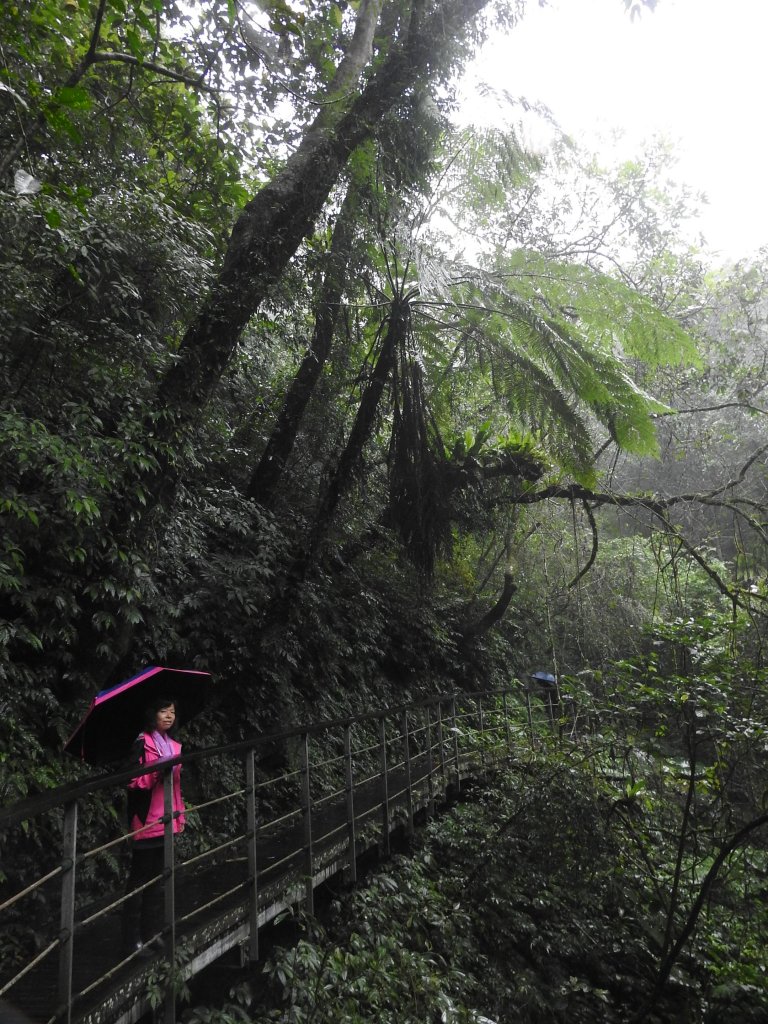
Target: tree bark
341, 479
267, 474
494, 614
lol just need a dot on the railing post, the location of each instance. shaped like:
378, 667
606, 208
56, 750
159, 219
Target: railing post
530, 716
481, 728
506, 720
440, 744
169, 896
350, 788
306, 810
455, 727
67, 932
430, 766
383, 769
252, 832
408, 777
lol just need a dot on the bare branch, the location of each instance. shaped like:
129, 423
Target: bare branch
103, 57
94, 42
654, 503
738, 839
593, 553
711, 408
719, 582
494, 614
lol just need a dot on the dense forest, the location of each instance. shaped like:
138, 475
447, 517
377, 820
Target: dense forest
307, 386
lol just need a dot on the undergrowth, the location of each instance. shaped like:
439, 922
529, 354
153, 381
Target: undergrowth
525, 904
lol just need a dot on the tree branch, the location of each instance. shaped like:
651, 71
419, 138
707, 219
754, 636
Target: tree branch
710, 408
658, 507
359, 51
593, 554
103, 57
654, 503
72, 79
91, 57
494, 614
738, 839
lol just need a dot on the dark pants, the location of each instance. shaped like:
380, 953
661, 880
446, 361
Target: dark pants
143, 912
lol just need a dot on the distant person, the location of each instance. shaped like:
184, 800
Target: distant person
143, 912
549, 691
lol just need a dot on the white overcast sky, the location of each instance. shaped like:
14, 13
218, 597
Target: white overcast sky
693, 70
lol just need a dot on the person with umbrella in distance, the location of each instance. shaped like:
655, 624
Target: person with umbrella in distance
143, 911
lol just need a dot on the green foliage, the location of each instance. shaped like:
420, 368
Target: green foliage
66, 112
524, 903
606, 310
56, 489
162, 975
141, 138
91, 303
551, 332
375, 976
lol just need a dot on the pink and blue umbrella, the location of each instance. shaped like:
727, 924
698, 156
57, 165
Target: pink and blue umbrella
117, 715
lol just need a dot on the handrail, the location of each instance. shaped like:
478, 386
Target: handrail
31, 806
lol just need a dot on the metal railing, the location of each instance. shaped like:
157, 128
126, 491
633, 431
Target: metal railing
261, 843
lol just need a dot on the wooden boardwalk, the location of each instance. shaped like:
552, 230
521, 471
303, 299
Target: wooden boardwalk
220, 902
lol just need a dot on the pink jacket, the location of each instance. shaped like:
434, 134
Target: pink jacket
153, 781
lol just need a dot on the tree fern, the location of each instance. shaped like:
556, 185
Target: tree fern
544, 348
418, 495
557, 351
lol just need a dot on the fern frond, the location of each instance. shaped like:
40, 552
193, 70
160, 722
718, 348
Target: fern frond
611, 314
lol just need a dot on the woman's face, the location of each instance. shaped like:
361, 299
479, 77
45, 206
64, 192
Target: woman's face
165, 718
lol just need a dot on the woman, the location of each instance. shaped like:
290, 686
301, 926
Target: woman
143, 912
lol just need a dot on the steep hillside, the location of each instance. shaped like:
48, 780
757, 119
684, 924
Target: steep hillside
530, 902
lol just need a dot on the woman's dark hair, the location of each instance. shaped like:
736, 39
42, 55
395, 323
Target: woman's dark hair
150, 713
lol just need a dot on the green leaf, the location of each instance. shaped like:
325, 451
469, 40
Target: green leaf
135, 44
60, 123
74, 97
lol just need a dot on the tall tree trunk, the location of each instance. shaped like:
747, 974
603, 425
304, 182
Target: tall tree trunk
267, 474
340, 482
341, 479
270, 228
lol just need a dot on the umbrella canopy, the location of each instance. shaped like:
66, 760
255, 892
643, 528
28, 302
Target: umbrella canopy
116, 716
543, 677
